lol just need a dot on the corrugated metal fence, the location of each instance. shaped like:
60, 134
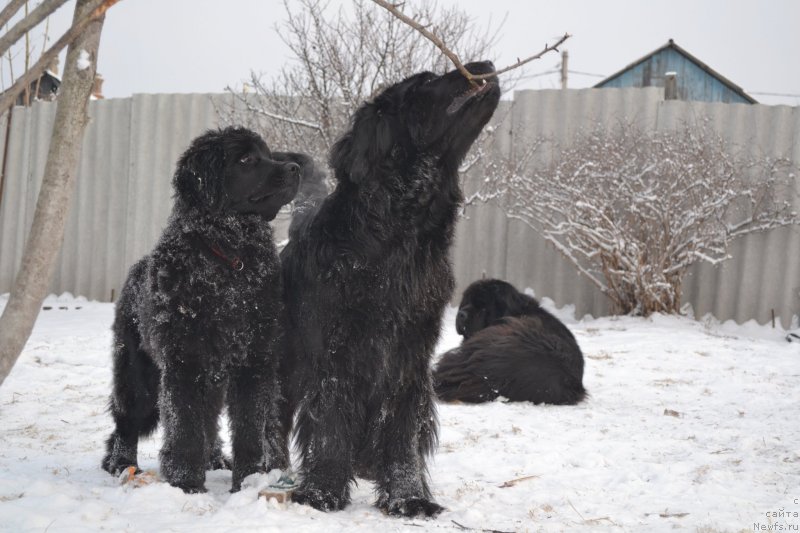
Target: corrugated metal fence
123, 197
761, 280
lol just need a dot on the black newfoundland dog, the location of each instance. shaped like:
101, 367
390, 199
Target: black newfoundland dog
511, 348
199, 322
367, 278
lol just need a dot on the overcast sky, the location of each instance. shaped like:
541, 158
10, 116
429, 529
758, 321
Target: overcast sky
184, 46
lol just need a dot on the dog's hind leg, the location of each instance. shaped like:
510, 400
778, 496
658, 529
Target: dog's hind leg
134, 396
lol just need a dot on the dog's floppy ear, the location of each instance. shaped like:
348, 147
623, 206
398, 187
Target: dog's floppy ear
198, 177
364, 148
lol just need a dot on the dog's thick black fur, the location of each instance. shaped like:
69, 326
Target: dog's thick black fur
199, 322
367, 278
511, 348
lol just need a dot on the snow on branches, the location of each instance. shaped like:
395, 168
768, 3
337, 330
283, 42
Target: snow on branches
634, 209
342, 57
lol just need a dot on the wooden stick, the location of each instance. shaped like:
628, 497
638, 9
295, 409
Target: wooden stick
519, 63
393, 9
515, 481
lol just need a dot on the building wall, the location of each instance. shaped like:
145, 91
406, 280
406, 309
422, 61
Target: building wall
693, 82
123, 197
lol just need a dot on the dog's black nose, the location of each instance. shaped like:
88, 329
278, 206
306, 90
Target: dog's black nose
480, 67
292, 168
461, 318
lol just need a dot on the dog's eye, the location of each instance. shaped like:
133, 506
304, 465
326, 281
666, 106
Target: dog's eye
247, 159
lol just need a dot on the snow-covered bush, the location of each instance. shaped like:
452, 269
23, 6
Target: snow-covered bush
634, 209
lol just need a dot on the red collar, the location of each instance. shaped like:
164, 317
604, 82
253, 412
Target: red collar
220, 252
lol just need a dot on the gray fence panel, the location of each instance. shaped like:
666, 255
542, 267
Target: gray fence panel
90, 260
123, 196
161, 127
27, 153
481, 234
762, 279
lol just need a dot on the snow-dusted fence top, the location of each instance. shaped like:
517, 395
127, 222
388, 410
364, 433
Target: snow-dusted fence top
123, 196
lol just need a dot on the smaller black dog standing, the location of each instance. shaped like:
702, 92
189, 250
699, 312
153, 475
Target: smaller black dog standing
512, 348
199, 320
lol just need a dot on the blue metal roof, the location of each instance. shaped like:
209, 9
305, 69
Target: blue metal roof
695, 79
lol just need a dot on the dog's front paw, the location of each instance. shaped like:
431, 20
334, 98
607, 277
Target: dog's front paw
191, 489
117, 465
189, 479
411, 507
119, 457
190, 484
319, 499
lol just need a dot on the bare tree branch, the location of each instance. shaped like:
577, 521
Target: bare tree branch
393, 9
9, 96
42, 11
9, 11
519, 63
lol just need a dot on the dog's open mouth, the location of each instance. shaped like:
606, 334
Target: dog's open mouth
475, 90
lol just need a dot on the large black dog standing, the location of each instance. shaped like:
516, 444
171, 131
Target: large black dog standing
512, 348
367, 278
199, 321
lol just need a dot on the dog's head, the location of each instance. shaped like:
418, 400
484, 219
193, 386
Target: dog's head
486, 301
232, 170
423, 115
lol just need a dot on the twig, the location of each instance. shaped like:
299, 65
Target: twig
589, 520
253, 109
466, 528
667, 514
519, 63
576, 511
513, 482
393, 9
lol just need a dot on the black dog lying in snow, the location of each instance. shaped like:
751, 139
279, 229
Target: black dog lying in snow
511, 348
367, 278
200, 319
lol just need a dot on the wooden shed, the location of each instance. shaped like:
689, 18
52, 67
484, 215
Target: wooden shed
693, 79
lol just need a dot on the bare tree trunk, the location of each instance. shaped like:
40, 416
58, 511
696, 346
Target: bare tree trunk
47, 230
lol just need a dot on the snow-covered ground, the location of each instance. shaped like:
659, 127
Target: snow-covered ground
690, 425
